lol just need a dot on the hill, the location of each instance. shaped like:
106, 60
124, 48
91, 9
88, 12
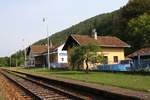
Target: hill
113, 24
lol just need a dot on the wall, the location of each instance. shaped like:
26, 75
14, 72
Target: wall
62, 55
110, 53
30, 60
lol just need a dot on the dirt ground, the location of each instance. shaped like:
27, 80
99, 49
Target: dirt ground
9, 91
2, 88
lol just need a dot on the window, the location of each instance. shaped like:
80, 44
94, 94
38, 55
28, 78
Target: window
105, 60
62, 59
115, 59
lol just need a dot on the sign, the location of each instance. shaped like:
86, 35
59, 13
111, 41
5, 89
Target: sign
62, 54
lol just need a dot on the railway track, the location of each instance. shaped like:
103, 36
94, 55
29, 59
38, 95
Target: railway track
41, 91
42, 88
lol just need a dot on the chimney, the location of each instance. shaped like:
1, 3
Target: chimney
94, 34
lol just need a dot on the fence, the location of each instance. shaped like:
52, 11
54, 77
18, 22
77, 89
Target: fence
143, 65
114, 67
59, 65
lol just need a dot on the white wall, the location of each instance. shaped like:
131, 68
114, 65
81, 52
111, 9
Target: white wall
62, 55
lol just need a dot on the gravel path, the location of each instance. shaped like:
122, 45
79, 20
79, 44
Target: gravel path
9, 91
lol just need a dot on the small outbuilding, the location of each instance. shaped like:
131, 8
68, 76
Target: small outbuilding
141, 57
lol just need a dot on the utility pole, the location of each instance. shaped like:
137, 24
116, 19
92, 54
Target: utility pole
48, 40
10, 61
25, 58
16, 59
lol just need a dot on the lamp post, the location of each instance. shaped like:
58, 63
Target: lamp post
48, 40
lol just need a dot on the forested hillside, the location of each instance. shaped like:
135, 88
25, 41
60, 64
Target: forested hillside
117, 23
130, 23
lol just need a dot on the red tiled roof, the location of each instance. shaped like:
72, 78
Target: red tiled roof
38, 49
53, 49
141, 52
104, 41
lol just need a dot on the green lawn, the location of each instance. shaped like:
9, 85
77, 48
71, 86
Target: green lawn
136, 82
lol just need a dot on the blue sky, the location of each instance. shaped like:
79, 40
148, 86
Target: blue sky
22, 19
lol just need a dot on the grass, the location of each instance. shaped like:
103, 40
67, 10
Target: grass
136, 82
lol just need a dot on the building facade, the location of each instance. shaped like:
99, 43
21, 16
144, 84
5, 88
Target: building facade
140, 58
37, 56
58, 57
112, 48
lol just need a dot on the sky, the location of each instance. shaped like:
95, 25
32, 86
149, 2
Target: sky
22, 19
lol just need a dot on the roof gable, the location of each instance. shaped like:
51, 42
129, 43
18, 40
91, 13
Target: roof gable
104, 41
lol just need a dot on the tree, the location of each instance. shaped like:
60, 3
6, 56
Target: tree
86, 53
76, 58
4, 61
139, 29
135, 8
